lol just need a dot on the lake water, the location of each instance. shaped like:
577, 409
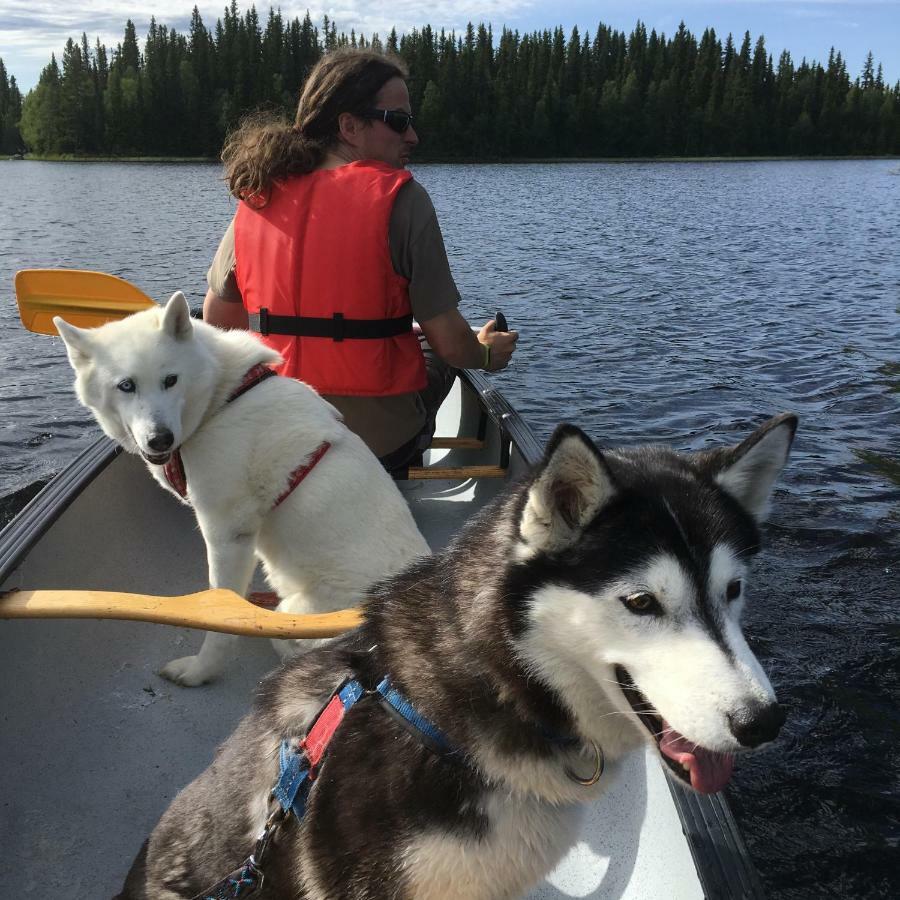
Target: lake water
679, 303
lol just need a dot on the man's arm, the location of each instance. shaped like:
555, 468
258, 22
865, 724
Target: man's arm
454, 342
223, 313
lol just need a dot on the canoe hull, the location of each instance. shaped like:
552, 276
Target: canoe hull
95, 744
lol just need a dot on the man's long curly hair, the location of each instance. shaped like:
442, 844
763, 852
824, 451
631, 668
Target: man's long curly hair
266, 148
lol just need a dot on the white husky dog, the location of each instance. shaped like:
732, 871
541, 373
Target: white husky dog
162, 384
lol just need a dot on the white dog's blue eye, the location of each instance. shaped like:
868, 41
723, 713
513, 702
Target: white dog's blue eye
170, 381
126, 386
733, 591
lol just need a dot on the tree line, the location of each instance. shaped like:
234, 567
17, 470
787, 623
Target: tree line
10, 112
475, 95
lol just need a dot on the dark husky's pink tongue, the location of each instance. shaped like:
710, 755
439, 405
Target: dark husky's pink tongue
709, 771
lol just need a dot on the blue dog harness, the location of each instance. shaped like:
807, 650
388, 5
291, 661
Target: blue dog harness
299, 764
300, 761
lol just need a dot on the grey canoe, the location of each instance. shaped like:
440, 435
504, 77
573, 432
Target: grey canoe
94, 744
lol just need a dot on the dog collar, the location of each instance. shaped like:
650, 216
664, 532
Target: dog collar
174, 472
174, 466
563, 740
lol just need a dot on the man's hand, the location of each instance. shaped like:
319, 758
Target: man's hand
502, 344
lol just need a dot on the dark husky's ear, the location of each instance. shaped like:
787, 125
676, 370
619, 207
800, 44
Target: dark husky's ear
748, 471
573, 483
77, 341
176, 318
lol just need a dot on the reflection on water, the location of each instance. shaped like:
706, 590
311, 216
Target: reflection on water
657, 302
889, 468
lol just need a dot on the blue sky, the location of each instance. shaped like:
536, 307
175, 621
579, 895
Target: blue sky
31, 29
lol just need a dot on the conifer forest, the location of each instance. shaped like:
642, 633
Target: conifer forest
476, 95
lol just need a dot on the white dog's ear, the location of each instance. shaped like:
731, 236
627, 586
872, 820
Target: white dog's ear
176, 318
77, 341
572, 485
748, 471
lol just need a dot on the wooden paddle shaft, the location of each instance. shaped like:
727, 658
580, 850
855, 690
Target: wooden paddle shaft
213, 610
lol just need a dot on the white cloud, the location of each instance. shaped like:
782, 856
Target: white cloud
31, 31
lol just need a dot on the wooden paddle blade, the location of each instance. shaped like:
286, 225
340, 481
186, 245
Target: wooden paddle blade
85, 299
213, 610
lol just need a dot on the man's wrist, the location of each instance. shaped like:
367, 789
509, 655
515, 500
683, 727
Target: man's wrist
486, 360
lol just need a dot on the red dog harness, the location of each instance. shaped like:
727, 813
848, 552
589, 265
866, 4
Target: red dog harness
174, 468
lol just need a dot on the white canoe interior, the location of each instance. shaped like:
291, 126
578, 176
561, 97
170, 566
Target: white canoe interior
94, 744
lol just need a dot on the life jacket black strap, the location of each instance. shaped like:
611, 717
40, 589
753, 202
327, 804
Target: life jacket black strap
337, 327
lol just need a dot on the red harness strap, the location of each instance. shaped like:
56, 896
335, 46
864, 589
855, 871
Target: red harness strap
252, 377
174, 472
301, 472
174, 468
320, 735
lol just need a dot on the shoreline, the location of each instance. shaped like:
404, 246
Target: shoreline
493, 161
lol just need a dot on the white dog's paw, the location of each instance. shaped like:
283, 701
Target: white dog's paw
187, 671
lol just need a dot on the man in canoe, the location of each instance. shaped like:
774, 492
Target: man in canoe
335, 248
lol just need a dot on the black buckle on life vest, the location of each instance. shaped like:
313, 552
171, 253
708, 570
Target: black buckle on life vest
338, 333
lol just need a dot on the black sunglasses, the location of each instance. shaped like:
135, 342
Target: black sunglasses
395, 119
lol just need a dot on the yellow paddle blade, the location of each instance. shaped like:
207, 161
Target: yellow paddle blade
85, 299
214, 610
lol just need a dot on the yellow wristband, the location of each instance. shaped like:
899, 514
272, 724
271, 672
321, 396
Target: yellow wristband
486, 365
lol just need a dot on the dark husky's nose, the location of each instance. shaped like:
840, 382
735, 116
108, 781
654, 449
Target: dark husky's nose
755, 725
161, 440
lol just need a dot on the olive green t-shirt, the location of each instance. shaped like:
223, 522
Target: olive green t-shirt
418, 254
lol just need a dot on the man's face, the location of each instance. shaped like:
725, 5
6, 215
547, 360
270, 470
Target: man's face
378, 140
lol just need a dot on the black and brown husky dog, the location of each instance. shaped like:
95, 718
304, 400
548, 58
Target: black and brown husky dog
594, 606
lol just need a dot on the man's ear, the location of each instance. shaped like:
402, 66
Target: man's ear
572, 484
77, 341
176, 318
349, 127
749, 469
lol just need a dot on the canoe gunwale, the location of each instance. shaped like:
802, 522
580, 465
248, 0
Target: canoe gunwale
504, 416
30, 524
720, 854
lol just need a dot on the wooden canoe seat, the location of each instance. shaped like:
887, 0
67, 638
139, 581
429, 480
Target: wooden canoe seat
461, 473
416, 473
457, 443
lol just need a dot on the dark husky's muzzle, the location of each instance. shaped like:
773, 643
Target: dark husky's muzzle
706, 771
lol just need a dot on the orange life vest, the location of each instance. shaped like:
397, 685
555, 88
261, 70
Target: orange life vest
314, 269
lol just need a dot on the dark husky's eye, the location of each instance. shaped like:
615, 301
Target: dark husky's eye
642, 603
733, 591
126, 385
170, 381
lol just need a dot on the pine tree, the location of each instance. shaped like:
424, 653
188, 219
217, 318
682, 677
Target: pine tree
10, 113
